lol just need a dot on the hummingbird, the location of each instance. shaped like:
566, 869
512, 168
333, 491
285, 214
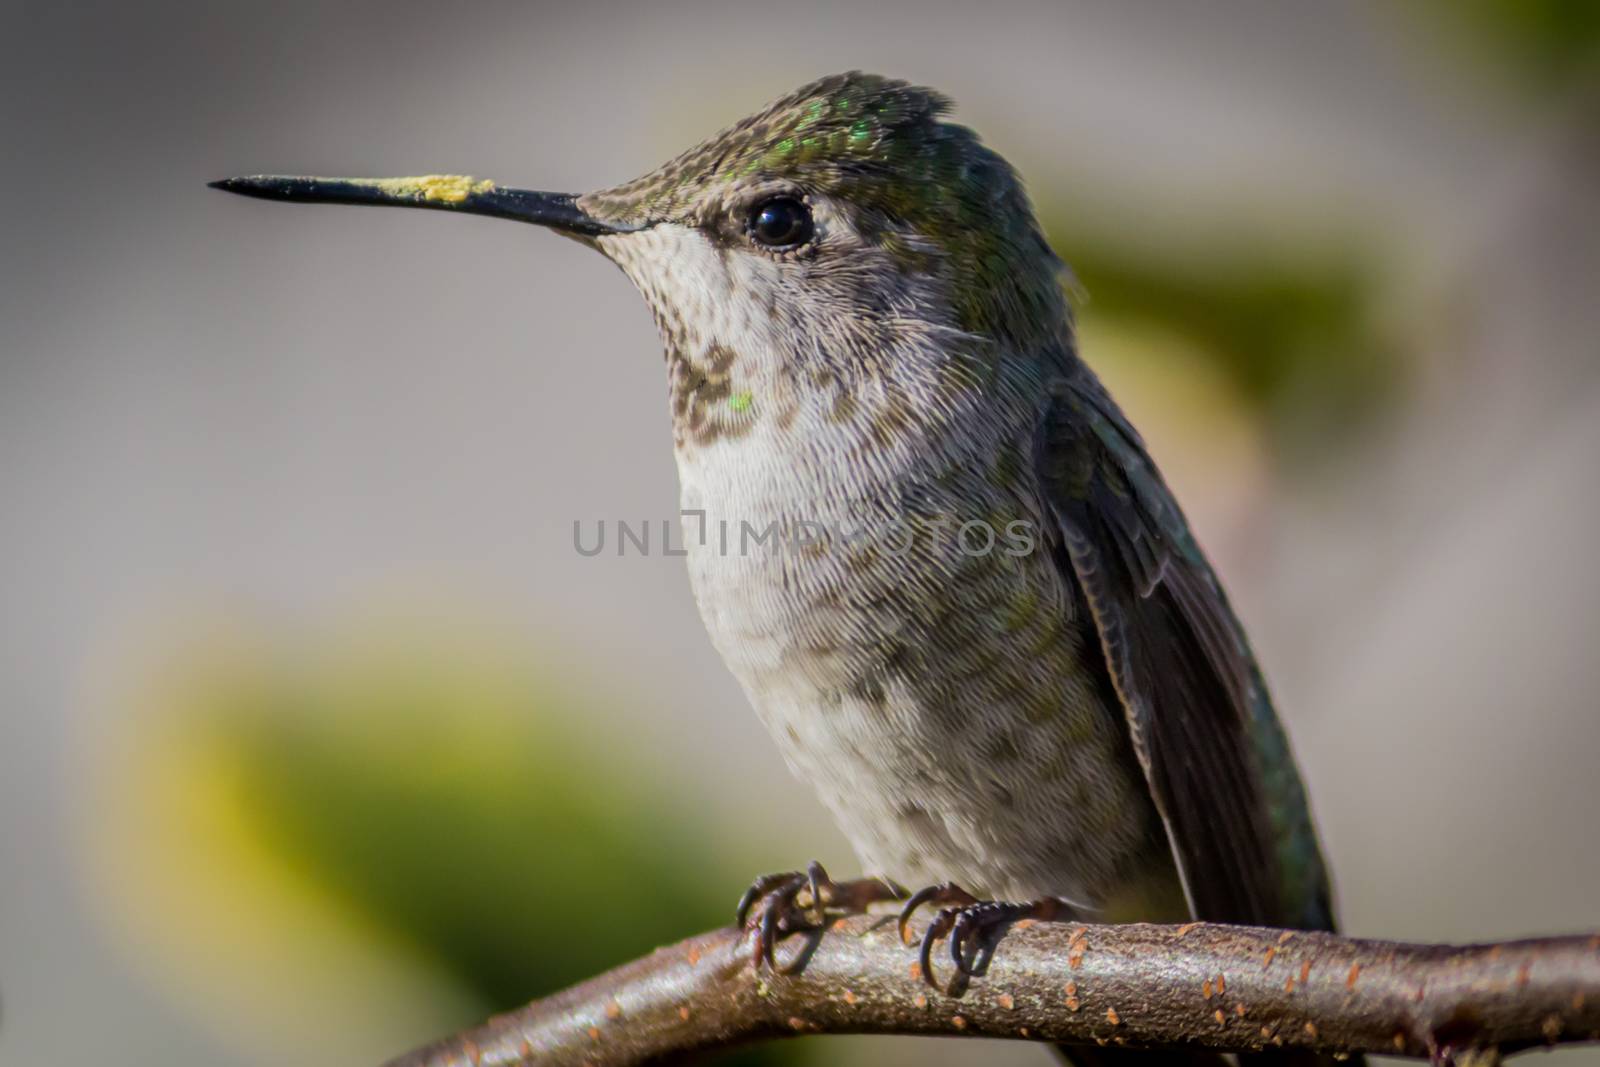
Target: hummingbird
867, 335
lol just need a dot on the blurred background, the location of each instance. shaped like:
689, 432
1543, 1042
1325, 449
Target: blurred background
319, 737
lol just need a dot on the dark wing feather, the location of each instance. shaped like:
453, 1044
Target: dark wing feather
1175, 655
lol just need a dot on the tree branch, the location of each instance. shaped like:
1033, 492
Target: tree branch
1226, 988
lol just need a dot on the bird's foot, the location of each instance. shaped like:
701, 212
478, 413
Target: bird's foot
968, 921
777, 905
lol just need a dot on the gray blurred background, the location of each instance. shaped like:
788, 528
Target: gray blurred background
320, 739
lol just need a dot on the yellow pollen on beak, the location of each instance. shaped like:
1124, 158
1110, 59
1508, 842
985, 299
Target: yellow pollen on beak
444, 188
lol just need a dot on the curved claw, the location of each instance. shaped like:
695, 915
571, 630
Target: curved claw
758, 889
766, 938
773, 903
966, 921
965, 927
742, 911
917, 900
773, 916
943, 893
936, 929
816, 878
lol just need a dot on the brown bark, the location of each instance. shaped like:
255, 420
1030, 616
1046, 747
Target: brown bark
1234, 989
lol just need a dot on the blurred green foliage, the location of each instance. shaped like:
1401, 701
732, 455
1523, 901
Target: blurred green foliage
1299, 339
1550, 44
476, 817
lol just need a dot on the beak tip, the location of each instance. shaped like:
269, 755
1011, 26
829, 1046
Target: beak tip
241, 185
277, 187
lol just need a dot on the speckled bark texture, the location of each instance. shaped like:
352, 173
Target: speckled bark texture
1225, 988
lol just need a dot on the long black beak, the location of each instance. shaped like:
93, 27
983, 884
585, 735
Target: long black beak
439, 192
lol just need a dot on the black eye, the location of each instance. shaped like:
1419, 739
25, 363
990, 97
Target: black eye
781, 222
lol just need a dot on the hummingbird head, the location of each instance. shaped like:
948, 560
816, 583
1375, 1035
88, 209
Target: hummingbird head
845, 252
850, 176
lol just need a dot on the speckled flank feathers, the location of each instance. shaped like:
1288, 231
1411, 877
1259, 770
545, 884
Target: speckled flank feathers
1083, 719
